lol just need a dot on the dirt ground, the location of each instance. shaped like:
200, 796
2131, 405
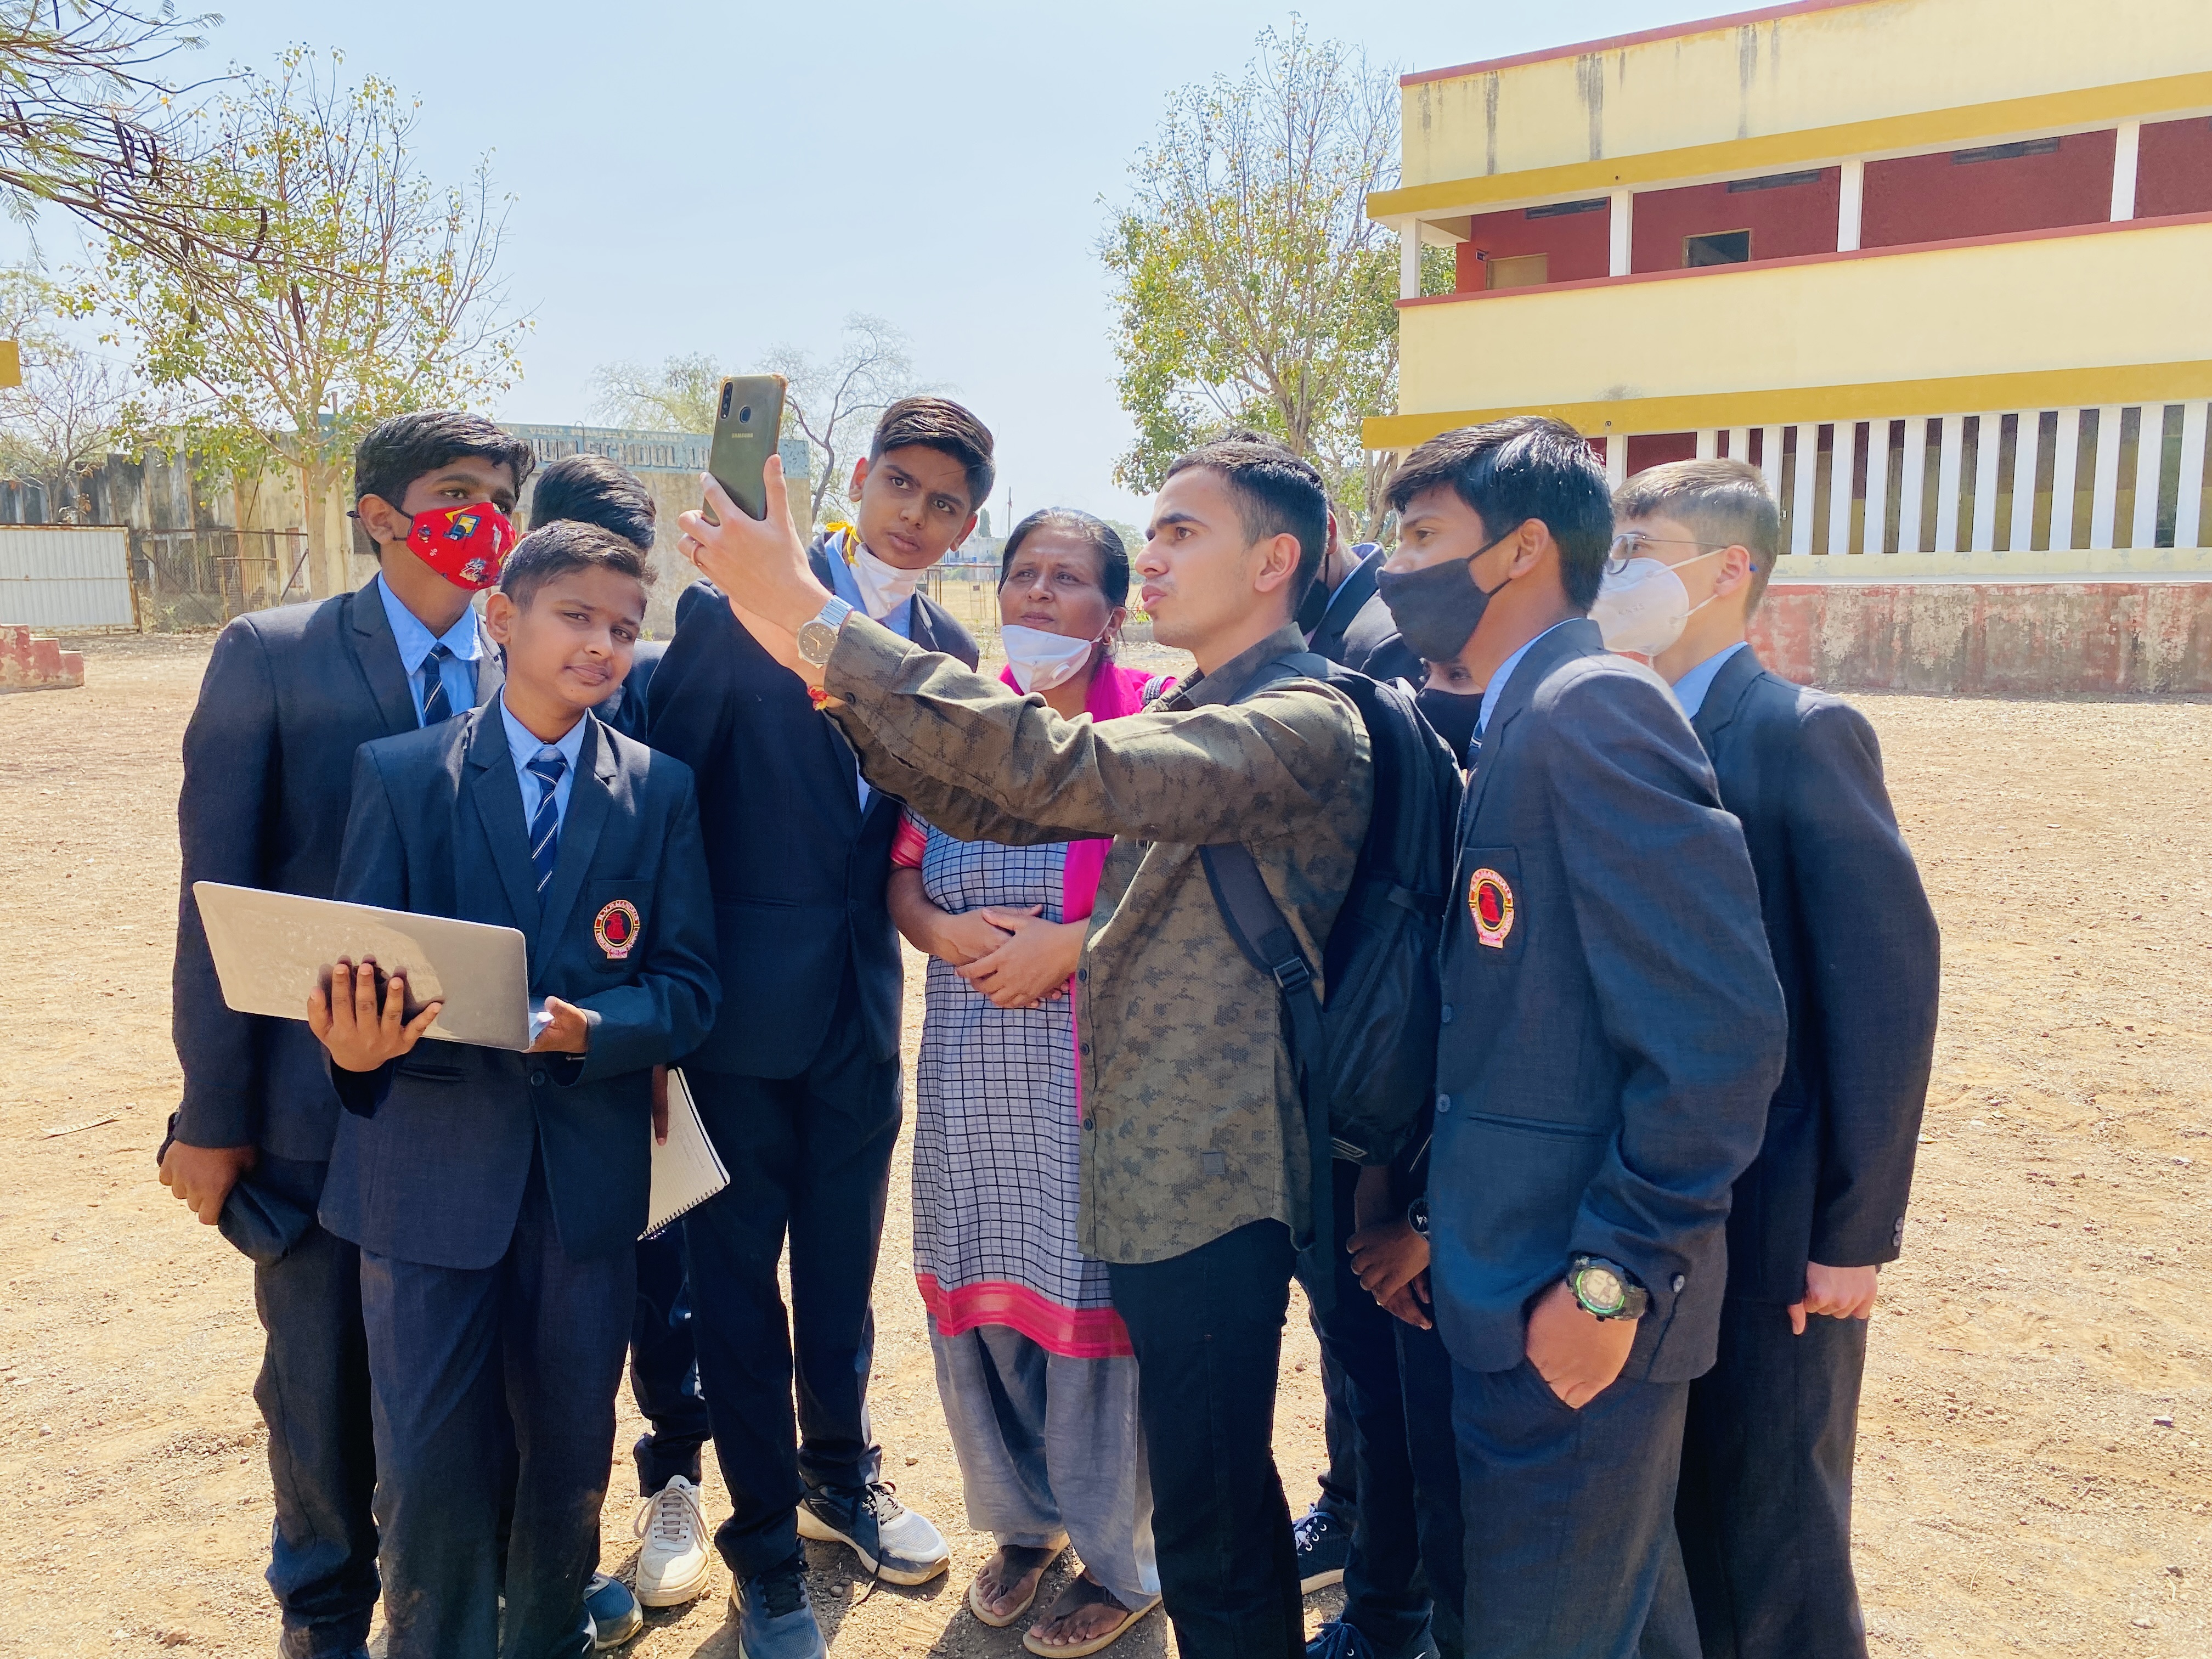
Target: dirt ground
2033, 1474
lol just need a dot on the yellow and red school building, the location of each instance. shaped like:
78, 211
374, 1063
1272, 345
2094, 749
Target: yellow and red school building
1940, 268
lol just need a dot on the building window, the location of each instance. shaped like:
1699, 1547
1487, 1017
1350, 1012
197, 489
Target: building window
1774, 181
1960, 158
1562, 209
1718, 248
1522, 270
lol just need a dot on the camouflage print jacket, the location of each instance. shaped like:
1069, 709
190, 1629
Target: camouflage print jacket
1186, 1089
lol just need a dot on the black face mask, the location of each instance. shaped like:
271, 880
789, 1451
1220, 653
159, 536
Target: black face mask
1436, 609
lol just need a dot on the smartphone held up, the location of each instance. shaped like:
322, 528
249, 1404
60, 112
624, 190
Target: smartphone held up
748, 426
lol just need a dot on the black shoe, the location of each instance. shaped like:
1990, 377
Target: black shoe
776, 1619
295, 1642
1337, 1639
1324, 1545
893, 1542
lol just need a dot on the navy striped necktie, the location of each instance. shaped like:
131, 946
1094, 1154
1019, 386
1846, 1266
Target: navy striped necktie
546, 766
436, 705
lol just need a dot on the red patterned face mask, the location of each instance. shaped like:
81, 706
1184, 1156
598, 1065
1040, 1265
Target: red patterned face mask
465, 544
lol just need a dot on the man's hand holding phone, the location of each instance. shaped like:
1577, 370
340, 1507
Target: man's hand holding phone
760, 564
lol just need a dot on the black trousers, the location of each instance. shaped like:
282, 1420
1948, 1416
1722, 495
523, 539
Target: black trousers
1764, 1511
1208, 1329
664, 1368
1571, 1549
1424, 1376
1386, 1594
314, 1395
810, 1159
1339, 1478
457, 1355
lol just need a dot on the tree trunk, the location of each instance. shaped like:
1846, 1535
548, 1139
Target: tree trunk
331, 568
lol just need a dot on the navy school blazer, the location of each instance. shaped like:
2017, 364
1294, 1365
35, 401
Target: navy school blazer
1855, 946
433, 1151
1614, 1028
798, 870
288, 696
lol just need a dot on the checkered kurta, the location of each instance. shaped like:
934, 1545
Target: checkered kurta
997, 1136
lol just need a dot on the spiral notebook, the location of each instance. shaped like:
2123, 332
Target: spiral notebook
687, 1170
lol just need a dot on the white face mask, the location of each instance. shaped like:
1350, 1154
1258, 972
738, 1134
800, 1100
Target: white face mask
1042, 661
883, 587
1641, 606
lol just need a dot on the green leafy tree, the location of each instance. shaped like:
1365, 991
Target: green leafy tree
1253, 290
374, 290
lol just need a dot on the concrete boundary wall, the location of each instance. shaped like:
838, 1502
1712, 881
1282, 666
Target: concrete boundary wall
1998, 639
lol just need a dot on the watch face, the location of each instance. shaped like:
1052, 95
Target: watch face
1600, 1289
816, 641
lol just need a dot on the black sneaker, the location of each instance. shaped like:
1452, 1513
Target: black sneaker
1338, 1640
1324, 1545
776, 1619
893, 1543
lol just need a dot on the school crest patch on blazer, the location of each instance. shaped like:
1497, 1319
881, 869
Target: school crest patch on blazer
616, 928
1490, 898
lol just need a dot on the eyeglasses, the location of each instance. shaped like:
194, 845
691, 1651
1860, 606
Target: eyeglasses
1631, 544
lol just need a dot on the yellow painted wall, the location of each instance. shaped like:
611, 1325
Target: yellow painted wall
2045, 308
1848, 65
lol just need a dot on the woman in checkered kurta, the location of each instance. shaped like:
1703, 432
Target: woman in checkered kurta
1033, 1364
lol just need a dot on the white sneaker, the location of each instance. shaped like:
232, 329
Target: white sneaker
672, 1566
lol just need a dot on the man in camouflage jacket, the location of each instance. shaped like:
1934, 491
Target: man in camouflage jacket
1195, 1171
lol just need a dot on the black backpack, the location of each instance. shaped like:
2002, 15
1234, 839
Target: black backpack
1366, 1062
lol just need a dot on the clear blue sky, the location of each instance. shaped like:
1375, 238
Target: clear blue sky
725, 177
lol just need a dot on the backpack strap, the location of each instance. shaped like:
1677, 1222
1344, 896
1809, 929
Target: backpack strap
1255, 922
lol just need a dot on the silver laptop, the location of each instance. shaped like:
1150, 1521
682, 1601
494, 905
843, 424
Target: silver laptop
271, 948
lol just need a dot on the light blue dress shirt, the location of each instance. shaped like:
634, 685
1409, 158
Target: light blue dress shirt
1690, 690
414, 640
526, 746
1496, 689
846, 586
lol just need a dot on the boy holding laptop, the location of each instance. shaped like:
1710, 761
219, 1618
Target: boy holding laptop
496, 1197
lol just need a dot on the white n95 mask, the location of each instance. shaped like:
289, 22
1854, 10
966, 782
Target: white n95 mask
1042, 661
1641, 606
883, 587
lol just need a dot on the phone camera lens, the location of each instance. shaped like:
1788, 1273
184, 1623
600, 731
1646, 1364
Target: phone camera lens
726, 402
745, 414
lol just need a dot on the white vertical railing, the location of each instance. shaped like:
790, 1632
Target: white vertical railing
1876, 539
2025, 459
1803, 489
2065, 478
2188, 525
1949, 455
1911, 481
1770, 458
2102, 495
1988, 450
1843, 461
2150, 456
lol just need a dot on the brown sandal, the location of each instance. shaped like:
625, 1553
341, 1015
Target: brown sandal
1040, 1563
1085, 1591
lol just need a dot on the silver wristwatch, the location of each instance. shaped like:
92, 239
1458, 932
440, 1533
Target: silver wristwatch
818, 638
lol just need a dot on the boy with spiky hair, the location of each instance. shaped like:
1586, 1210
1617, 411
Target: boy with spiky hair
289, 695
798, 1082
1765, 1507
1612, 1032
